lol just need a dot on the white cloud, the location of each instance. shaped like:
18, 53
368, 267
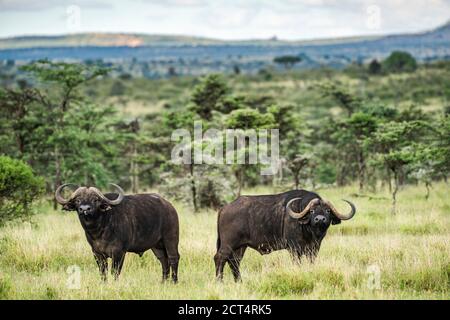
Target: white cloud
175, 3
228, 19
30, 5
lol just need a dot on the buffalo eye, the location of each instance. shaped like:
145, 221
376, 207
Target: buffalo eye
311, 211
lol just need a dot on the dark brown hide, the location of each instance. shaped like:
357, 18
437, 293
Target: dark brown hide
138, 223
262, 223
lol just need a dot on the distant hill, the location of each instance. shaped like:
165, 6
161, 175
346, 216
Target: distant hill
194, 55
144, 40
101, 40
439, 34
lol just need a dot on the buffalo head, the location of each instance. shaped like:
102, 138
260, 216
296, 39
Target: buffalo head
88, 201
319, 214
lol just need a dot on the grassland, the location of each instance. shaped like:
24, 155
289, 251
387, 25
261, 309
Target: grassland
426, 88
411, 251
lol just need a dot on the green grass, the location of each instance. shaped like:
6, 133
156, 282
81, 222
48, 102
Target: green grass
410, 250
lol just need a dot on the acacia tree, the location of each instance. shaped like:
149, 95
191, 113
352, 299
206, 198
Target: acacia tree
134, 128
246, 119
287, 61
433, 156
441, 148
293, 139
351, 136
185, 120
210, 98
57, 131
95, 141
296, 165
65, 79
394, 149
15, 109
346, 100
207, 95
334, 131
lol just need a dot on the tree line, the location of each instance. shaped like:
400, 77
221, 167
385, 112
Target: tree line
48, 125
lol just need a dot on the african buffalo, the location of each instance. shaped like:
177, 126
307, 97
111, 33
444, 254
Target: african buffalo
295, 220
115, 224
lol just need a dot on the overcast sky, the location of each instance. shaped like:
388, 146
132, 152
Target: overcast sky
223, 19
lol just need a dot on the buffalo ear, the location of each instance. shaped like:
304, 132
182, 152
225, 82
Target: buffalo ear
335, 220
105, 207
70, 206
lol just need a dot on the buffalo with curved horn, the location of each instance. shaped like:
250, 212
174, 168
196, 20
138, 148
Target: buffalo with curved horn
297, 220
115, 223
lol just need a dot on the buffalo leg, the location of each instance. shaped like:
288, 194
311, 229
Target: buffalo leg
235, 262
220, 259
173, 263
117, 263
102, 263
162, 257
220, 264
173, 257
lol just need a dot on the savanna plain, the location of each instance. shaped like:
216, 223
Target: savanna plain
376, 255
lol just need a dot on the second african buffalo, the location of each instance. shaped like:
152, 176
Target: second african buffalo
296, 220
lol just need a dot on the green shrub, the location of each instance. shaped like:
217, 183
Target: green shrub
19, 187
400, 61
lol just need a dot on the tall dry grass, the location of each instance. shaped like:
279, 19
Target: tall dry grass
373, 256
